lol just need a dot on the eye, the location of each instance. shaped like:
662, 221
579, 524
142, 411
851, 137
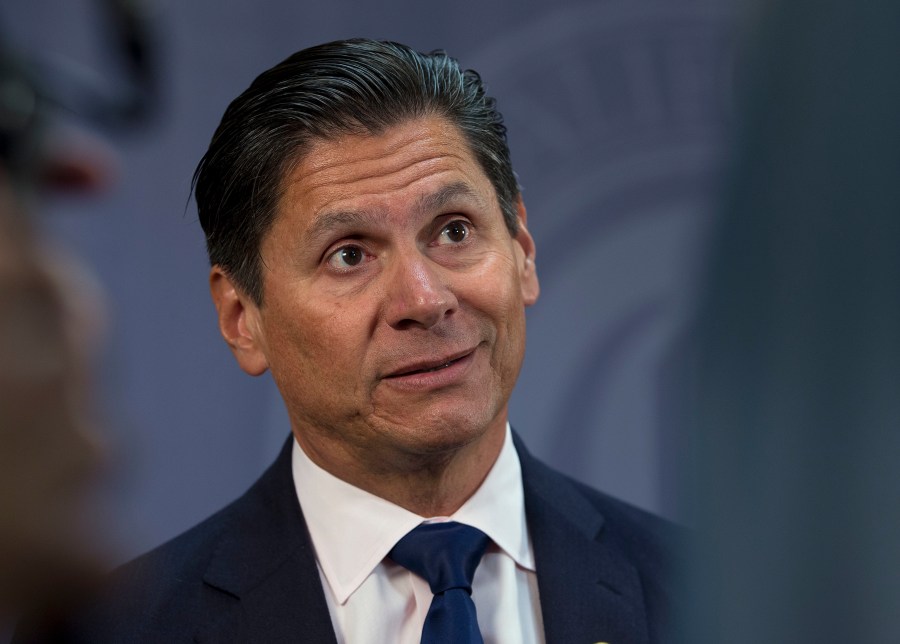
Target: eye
346, 257
454, 233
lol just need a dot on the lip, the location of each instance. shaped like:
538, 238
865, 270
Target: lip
428, 364
431, 373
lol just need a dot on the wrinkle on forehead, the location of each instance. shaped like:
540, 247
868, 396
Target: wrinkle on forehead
354, 158
404, 176
326, 153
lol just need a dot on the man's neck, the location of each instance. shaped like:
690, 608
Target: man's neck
430, 485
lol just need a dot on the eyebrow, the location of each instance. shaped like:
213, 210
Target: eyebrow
440, 199
328, 222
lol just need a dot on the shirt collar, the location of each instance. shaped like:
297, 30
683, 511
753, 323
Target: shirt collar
353, 530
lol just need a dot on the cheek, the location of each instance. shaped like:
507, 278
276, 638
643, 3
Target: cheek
494, 284
316, 353
495, 293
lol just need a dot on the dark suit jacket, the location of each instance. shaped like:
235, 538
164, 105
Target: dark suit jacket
248, 573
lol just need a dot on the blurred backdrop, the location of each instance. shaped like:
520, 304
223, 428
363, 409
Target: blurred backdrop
617, 112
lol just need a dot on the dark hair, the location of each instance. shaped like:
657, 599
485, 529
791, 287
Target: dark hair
351, 86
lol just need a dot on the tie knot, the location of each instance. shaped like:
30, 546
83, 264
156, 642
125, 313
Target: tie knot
443, 554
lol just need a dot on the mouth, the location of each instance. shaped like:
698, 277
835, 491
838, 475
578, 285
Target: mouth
430, 366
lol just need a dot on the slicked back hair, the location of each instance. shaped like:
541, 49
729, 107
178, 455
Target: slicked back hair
344, 87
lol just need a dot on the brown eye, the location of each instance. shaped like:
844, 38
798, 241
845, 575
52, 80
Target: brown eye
454, 233
346, 257
351, 255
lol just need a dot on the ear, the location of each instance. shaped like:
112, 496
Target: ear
239, 323
527, 269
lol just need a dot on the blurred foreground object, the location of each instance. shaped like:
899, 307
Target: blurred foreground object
48, 451
797, 484
33, 93
51, 317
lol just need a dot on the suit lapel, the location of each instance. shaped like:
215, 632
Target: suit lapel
589, 591
263, 583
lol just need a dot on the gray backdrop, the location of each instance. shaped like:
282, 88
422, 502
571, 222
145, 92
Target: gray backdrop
615, 111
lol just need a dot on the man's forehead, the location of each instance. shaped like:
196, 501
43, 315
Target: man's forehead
423, 144
426, 162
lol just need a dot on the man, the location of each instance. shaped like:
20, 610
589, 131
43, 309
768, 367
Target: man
369, 248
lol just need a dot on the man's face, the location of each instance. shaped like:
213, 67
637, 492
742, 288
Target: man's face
393, 316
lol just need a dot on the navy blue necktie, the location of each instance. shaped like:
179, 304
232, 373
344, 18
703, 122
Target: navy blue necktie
446, 556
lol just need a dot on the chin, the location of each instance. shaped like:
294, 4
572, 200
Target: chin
445, 430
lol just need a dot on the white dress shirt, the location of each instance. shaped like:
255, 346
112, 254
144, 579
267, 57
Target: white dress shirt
372, 600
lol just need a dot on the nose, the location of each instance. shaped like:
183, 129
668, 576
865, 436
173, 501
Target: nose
417, 295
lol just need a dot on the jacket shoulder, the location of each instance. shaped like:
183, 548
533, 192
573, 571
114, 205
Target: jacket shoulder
653, 542
641, 534
164, 570
154, 597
